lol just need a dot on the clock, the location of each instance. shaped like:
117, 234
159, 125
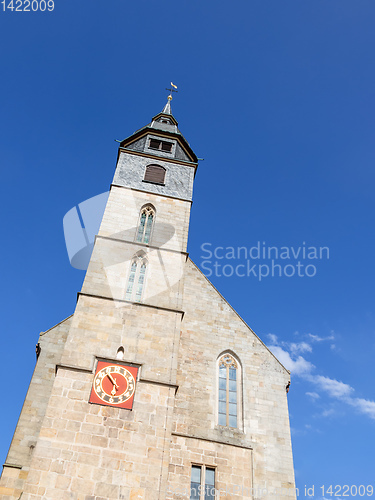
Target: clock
114, 385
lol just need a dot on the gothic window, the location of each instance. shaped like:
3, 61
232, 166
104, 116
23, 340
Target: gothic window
228, 391
136, 279
155, 174
202, 484
145, 224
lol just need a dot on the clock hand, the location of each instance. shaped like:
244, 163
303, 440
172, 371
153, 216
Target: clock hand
115, 386
112, 380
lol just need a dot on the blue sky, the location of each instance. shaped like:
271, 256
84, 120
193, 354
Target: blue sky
278, 98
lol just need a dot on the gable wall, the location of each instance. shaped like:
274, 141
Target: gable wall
209, 327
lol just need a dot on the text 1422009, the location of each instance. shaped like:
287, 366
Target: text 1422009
27, 5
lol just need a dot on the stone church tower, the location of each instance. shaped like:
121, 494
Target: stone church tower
154, 388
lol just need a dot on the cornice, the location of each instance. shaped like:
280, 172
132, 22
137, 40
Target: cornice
156, 157
137, 304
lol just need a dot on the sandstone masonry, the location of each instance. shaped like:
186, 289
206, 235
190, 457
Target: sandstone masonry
66, 448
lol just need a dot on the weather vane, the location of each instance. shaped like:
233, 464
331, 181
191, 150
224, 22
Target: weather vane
171, 90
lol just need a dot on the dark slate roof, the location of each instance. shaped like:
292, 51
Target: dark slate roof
169, 129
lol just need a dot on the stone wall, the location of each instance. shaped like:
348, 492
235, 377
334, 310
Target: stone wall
211, 327
179, 178
33, 411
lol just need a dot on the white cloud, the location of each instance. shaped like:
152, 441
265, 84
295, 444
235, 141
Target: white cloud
328, 413
313, 395
364, 406
316, 338
298, 366
294, 348
289, 354
297, 348
344, 392
335, 388
273, 338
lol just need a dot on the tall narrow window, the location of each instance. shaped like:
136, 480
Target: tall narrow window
228, 393
202, 484
145, 225
136, 279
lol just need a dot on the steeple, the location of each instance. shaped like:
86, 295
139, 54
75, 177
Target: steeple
165, 126
158, 159
166, 116
167, 110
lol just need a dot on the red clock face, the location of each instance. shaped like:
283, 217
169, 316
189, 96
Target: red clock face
114, 385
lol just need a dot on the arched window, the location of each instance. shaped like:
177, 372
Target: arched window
229, 389
145, 224
155, 173
120, 353
136, 279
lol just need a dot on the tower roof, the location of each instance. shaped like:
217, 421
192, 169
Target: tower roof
165, 125
166, 113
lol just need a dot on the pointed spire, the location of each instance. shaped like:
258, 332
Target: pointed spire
167, 110
169, 120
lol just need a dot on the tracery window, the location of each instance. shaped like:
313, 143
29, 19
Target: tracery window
136, 281
145, 224
228, 390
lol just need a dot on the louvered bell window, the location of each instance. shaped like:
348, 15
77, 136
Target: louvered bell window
155, 173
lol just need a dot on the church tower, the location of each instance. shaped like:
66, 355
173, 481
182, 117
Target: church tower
154, 388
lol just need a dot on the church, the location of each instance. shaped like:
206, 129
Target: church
154, 388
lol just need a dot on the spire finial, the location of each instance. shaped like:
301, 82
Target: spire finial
171, 90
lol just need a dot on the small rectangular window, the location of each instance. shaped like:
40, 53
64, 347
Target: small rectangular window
209, 486
154, 144
202, 484
164, 146
195, 485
